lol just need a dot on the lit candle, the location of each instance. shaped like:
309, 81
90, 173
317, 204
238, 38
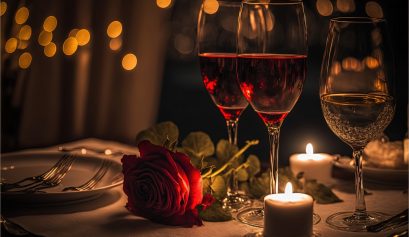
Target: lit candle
288, 214
315, 166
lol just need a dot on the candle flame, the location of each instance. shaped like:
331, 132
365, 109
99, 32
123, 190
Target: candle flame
309, 149
288, 188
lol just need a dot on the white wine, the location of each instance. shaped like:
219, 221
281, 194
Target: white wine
357, 118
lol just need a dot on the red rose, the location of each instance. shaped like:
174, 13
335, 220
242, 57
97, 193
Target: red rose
162, 186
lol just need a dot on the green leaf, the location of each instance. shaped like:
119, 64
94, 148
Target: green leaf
286, 175
206, 185
159, 134
242, 175
225, 150
198, 145
321, 193
253, 165
219, 187
216, 213
260, 186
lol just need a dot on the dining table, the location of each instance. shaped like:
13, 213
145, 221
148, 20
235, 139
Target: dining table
106, 215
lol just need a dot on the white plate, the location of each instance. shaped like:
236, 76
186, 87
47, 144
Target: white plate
378, 175
19, 165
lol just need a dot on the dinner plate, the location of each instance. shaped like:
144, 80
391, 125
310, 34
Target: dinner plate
373, 174
19, 165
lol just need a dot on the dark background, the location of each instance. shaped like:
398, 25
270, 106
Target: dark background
186, 102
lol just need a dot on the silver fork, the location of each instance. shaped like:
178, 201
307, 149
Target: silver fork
54, 179
90, 184
26, 182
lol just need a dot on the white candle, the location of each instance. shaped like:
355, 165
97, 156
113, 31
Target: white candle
315, 166
288, 214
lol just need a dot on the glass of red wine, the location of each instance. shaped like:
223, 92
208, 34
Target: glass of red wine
271, 69
216, 36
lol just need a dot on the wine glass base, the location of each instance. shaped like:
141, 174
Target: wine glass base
234, 202
255, 217
348, 221
260, 234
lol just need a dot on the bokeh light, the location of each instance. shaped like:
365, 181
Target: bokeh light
114, 29
163, 3
3, 7
83, 36
129, 61
22, 44
11, 45
210, 6
24, 61
371, 62
115, 43
324, 7
346, 5
25, 32
50, 50
70, 46
50, 23
352, 64
45, 38
22, 15
73, 32
373, 9
183, 44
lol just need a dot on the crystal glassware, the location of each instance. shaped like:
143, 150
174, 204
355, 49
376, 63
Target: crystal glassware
356, 91
271, 69
216, 37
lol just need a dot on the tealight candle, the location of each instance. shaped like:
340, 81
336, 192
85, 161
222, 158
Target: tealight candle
288, 214
315, 166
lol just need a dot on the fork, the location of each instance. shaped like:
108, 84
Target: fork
65, 159
90, 184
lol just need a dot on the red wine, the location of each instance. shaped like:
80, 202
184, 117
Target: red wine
272, 83
219, 77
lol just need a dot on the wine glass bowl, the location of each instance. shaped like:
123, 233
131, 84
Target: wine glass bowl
357, 98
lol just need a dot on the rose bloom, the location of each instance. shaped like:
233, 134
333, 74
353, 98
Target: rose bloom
162, 186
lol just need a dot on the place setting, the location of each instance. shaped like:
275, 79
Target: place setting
208, 118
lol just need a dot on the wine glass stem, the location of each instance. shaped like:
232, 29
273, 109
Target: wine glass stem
232, 126
274, 136
360, 207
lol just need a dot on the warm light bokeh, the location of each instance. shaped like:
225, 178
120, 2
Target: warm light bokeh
373, 9
25, 32
210, 6
163, 3
50, 50
183, 44
115, 43
45, 38
22, 44
50, 23
129, 61
346, 6
114, 29
70, 46
83, 36
24, 61
11, 45
3, 7
73, 32
324, 7
22, 15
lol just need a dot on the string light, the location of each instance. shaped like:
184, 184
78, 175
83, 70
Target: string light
163, 3
3, 7
210, 6
22, 15
70, 46
50, 50
115, 43
129, 61
83, 36
11, 45
45, 38
114, 29
24, 61
25, 32
50, 23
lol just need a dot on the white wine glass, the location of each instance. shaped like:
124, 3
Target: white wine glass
356, 91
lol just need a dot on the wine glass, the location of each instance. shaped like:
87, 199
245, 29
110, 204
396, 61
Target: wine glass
271, 69
356, 92
216, 36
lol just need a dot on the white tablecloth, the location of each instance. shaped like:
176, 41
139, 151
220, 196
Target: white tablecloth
107, 215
